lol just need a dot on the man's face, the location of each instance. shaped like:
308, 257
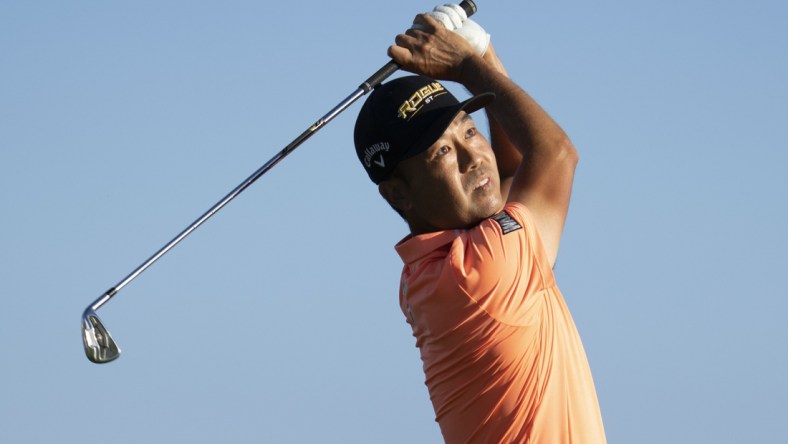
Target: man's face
453, 184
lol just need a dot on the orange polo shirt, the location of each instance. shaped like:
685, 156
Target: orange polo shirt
502, 357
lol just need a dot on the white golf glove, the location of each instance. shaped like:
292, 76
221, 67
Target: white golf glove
453, 17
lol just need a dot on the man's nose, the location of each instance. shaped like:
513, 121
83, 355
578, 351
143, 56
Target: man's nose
468, 157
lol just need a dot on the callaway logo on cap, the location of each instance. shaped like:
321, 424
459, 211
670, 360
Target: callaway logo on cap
402, 118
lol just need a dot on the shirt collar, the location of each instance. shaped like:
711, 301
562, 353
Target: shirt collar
413, 248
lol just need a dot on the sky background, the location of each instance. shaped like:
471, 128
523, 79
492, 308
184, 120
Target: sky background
278, 321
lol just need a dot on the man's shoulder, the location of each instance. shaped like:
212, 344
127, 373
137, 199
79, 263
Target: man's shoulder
512, 218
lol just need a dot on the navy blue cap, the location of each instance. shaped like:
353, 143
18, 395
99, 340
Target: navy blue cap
402, 118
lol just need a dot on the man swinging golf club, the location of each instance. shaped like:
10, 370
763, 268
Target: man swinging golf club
502, 357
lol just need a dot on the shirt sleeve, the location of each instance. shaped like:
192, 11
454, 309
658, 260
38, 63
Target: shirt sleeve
501, 265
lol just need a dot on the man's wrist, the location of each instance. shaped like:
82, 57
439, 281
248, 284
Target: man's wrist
471, 73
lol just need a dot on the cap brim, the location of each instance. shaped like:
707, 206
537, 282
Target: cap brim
443, 121
477, 102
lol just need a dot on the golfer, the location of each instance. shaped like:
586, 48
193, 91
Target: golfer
502, 357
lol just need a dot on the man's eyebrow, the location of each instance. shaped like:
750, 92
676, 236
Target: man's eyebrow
462, 120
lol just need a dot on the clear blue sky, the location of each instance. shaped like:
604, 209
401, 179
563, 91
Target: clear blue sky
277, 321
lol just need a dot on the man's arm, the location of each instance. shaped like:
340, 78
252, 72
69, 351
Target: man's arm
542, 179
507, 156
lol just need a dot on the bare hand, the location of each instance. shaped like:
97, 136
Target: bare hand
432, 50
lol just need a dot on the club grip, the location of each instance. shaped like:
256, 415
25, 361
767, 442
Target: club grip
469, 7
379, 76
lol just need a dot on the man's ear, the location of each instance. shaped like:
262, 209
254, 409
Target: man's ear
395, 192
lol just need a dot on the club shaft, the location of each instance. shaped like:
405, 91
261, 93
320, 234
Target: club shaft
234, 193
368, 85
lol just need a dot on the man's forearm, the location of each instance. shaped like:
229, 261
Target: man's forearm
529, 128
507, 157
543, 179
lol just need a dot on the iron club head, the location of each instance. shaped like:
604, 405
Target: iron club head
99, 345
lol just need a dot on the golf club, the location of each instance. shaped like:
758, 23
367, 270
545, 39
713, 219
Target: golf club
99, 345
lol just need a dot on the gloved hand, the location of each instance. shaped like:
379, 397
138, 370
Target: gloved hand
453, 17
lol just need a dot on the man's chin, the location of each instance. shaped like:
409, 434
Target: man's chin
491, 207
